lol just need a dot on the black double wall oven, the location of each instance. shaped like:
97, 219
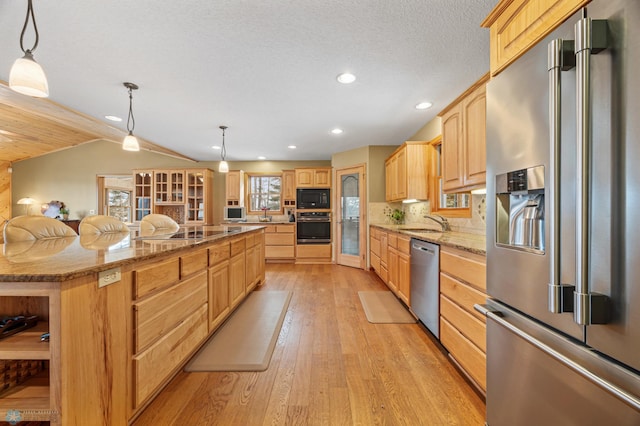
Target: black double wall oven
313, 226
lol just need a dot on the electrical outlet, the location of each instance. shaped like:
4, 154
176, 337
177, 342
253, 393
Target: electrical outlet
92, 212
110, 276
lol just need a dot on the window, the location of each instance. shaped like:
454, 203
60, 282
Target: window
450, 205
265, 191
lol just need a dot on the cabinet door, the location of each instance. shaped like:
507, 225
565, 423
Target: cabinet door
322, 178
237, 285
452, 173
176, 179
401, 175
404, 278
392, 268
234, 186
289, 188
218, 294
161, 186
197, 185
143, 188
475, 152
304, 178
389, 179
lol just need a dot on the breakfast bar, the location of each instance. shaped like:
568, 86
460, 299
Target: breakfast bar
123, 316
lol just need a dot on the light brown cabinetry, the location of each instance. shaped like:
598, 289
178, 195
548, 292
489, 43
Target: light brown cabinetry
237, 272
219, 296
289, 188
407, 172
517, 25
254, 260
234, 184
280, 243
319, 177
462, 329
464, 140
184, 195
169, 186
390, 258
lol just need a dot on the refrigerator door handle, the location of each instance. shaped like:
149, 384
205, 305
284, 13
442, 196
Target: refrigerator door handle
590, 38
609, 387
560, 57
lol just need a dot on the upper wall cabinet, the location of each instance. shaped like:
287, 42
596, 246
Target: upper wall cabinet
516, 25
464, 140
407, 172
235, 188
289, 188
318, 177
184, 195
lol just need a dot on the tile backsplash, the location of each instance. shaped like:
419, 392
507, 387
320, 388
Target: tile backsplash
415, 212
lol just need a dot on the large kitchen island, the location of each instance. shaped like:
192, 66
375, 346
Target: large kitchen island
123, 315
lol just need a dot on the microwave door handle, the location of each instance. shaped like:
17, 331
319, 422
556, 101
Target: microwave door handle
560, 57
590, 308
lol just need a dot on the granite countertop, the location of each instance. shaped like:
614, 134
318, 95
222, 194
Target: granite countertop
473, 243
61, 259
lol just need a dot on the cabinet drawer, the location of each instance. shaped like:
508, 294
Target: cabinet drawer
155, 316
404, 245
375, 247
374, 233
279, 252
314, 250
464, 266
470, 327
279, 239
392, 240
218, 253
269, 229
153, 366
193, 263
249, 241
375, 262
463, 295
156, 276
237, 246
285, 229
472, 359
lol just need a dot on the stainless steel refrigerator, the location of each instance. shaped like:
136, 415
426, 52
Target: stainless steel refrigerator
563, 226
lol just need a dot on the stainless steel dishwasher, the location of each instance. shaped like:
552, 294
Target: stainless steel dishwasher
425, 284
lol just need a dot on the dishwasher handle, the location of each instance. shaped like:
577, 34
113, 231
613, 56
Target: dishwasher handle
424, 249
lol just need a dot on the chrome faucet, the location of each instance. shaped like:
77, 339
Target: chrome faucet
442, 222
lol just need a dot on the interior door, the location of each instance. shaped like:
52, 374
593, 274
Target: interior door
351, 214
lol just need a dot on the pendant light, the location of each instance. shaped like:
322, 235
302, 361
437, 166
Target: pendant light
27, 76
130, 142
224, 167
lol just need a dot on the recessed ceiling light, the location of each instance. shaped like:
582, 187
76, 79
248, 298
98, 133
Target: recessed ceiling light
346, 78
292, 147
336, 131
215, 147
112, 118
424, 105
262, 158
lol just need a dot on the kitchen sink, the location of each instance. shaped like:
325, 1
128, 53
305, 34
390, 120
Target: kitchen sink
421, 230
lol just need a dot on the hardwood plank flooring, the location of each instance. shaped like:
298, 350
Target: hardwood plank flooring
330, 366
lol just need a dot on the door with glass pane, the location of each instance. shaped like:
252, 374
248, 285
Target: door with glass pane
351, 213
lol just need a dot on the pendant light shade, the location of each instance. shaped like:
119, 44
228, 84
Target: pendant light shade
130, 142
27, 76
224, 166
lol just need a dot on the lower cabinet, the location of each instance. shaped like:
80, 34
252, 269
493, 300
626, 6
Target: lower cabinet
237, 272
390, 258
462, 329
280, 243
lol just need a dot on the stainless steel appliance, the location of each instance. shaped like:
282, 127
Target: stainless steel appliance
313, 198
313, 227
563, 253
425, 284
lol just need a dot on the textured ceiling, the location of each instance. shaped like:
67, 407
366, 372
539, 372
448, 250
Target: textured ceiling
266, 69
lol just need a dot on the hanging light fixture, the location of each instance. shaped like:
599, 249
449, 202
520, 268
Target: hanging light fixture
130, 142
224, 167
27, 76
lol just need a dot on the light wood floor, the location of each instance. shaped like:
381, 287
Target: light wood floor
330, 367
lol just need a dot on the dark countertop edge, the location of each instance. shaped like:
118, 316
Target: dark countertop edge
117, 263
436, 240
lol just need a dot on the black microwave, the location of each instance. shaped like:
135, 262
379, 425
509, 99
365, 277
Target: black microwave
313, 198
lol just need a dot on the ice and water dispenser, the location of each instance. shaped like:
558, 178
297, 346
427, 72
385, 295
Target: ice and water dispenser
520, 209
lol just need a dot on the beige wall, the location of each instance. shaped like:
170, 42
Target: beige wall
71, 175
429, 131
